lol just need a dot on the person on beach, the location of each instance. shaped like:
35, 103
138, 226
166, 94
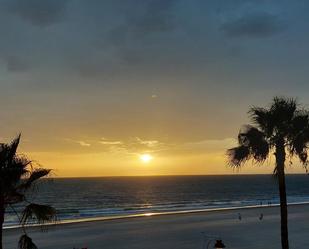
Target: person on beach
239, 216
261, 216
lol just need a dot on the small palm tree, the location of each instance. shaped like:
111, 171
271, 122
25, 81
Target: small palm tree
17, 178
283, 129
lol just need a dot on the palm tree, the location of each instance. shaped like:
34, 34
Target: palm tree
17, 178
282, 128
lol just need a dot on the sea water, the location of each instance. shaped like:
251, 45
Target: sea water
86, 198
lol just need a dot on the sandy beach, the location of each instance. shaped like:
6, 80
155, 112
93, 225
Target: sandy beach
181, 231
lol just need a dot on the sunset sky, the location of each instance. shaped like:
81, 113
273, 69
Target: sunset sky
93, 85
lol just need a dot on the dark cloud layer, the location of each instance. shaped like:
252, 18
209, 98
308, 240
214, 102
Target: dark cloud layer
38, 12
157, 17
253, 25
132, 39
116, 39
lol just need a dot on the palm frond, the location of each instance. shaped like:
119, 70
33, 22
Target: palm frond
13, 197
16, 176
17, 168
263, 119
283, 111
238, 155
8, 152
299, 121
284, 123
255, 140
13, 147
298, 137
25, 242
40, 213
12, 166
298, 146
34, 176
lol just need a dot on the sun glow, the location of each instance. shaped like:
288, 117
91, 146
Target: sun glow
145, 158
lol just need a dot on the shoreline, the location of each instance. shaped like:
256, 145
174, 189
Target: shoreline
151, 214
176, 230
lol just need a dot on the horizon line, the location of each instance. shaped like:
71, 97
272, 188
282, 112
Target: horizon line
176, 175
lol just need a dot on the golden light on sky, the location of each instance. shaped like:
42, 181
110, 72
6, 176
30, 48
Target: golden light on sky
124, 158
146, 158
123, 84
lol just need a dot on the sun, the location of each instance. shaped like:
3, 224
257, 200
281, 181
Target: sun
145, 158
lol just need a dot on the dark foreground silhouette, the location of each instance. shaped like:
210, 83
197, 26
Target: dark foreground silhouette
17, 177
281, 129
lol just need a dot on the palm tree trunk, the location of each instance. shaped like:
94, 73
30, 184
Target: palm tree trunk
280, 159
1, 219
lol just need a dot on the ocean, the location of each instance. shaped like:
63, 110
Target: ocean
86, 198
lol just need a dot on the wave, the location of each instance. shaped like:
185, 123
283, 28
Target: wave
68, 215
104, 218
